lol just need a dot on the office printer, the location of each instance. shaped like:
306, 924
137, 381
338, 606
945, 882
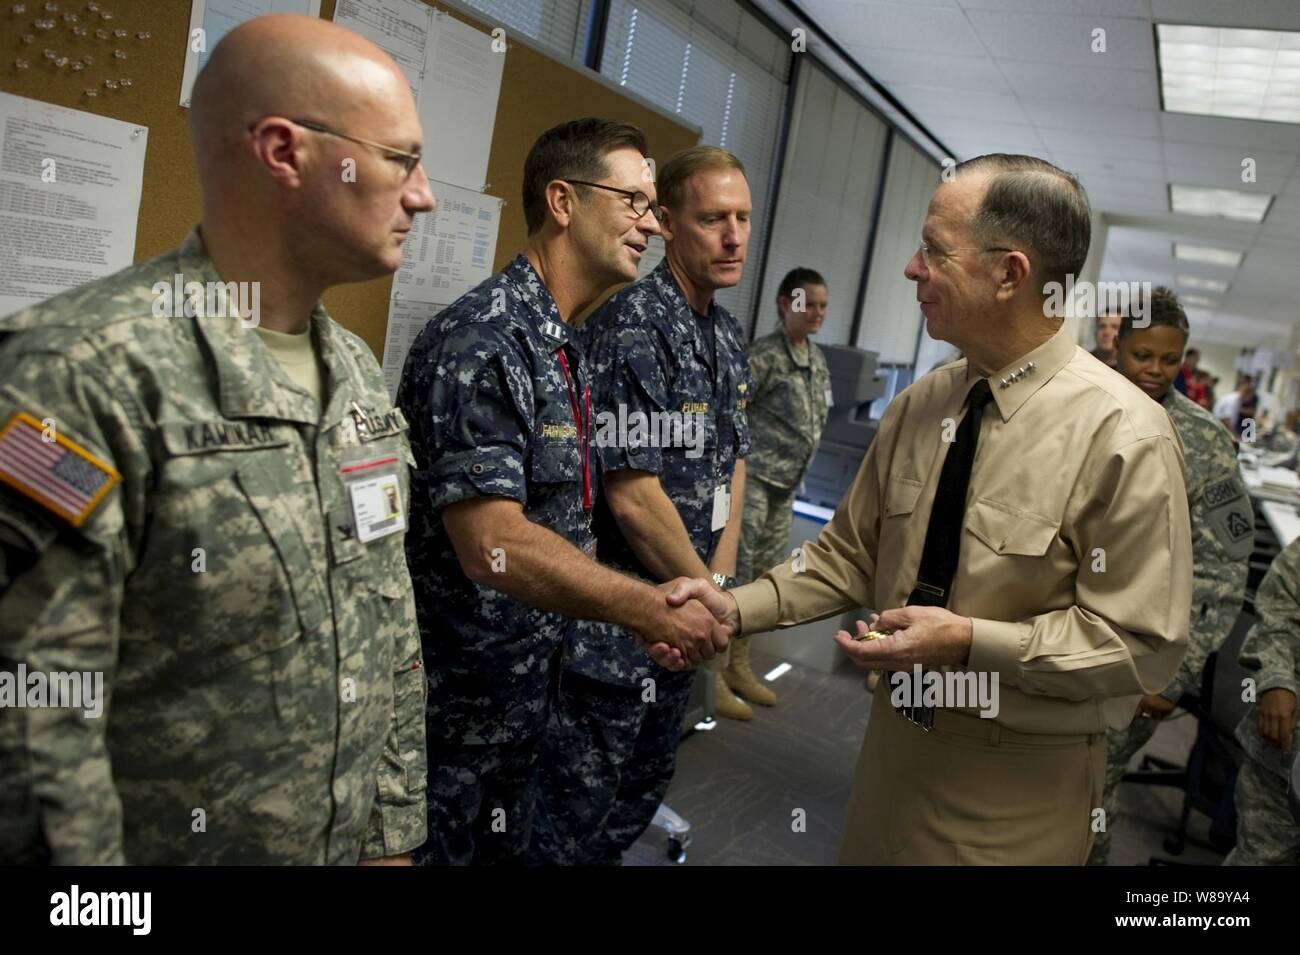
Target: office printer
849, 428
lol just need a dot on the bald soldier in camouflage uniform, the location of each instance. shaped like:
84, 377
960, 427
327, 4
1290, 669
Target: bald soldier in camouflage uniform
1267, 832
1223, 528
497, 393
676, 364
792, 398
175, 513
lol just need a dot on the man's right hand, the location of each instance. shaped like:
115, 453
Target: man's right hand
1277, 717
687, 627
720, 603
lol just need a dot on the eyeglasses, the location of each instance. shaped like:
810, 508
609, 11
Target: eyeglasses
637, 199
927, 251
409, 160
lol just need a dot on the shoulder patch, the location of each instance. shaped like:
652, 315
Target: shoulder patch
1238, 526
55, 472
1216, 495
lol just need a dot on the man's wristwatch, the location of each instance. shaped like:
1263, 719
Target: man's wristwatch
724, 582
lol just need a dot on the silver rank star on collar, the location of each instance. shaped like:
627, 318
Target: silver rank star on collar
1016, 375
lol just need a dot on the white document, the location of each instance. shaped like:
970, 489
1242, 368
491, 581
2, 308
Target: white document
450, 250
721, 507
458, 104
216, 18
398, 27
69, 198
1283, 478
377, 507
405, 320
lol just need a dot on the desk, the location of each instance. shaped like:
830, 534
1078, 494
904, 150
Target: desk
1259, 491
1282, 520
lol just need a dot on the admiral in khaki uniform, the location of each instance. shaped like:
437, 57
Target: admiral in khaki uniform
1020, 513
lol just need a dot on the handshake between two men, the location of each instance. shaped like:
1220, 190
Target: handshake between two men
894, 640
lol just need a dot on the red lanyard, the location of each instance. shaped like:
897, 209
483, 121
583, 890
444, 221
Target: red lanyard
580, 421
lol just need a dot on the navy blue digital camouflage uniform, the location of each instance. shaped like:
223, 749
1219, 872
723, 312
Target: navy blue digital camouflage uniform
491, 417
610, 751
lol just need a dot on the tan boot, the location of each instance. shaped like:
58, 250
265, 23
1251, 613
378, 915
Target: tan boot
741, 678
726, 704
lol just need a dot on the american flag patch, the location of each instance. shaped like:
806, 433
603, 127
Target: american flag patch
57, 473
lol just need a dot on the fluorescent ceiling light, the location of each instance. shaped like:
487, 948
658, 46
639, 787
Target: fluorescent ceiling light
1215, 71
1203, 301
1206, 285
1219, 203
1207, 254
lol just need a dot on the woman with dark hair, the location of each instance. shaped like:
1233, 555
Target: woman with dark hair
792, 395
1223, 524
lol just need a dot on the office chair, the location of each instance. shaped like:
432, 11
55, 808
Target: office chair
1293, 790
1211, 773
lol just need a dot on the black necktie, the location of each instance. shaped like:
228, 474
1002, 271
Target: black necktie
943, 535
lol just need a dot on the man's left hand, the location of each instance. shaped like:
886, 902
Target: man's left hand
403, 859
930, 636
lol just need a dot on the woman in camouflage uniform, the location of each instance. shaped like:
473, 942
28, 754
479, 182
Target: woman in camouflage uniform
792, 394
1223, 526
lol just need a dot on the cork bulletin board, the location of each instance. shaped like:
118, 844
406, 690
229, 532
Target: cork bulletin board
537, 92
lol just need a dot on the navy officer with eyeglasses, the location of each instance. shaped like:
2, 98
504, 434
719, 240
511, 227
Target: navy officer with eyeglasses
501, 549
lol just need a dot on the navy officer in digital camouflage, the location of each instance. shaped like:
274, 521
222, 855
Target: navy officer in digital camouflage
668, 359
501, 549
194, 500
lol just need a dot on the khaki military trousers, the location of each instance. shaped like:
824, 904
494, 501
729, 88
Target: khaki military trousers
970, 793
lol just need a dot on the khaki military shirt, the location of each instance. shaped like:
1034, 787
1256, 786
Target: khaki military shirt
262, 663
1075, 564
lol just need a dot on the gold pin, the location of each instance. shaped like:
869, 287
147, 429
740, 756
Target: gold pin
873, 635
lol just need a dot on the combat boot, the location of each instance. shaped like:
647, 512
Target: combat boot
741, 678
726, 704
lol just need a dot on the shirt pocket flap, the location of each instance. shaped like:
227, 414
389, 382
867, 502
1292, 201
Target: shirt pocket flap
900, 496
1008, 530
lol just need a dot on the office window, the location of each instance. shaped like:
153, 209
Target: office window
558, 25
716, 66
832, 171
891, 318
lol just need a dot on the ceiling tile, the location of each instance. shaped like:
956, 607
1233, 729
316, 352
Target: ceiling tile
1114, 8
931, 101
925, 29
1126, 44
1134, 88
1257, 14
